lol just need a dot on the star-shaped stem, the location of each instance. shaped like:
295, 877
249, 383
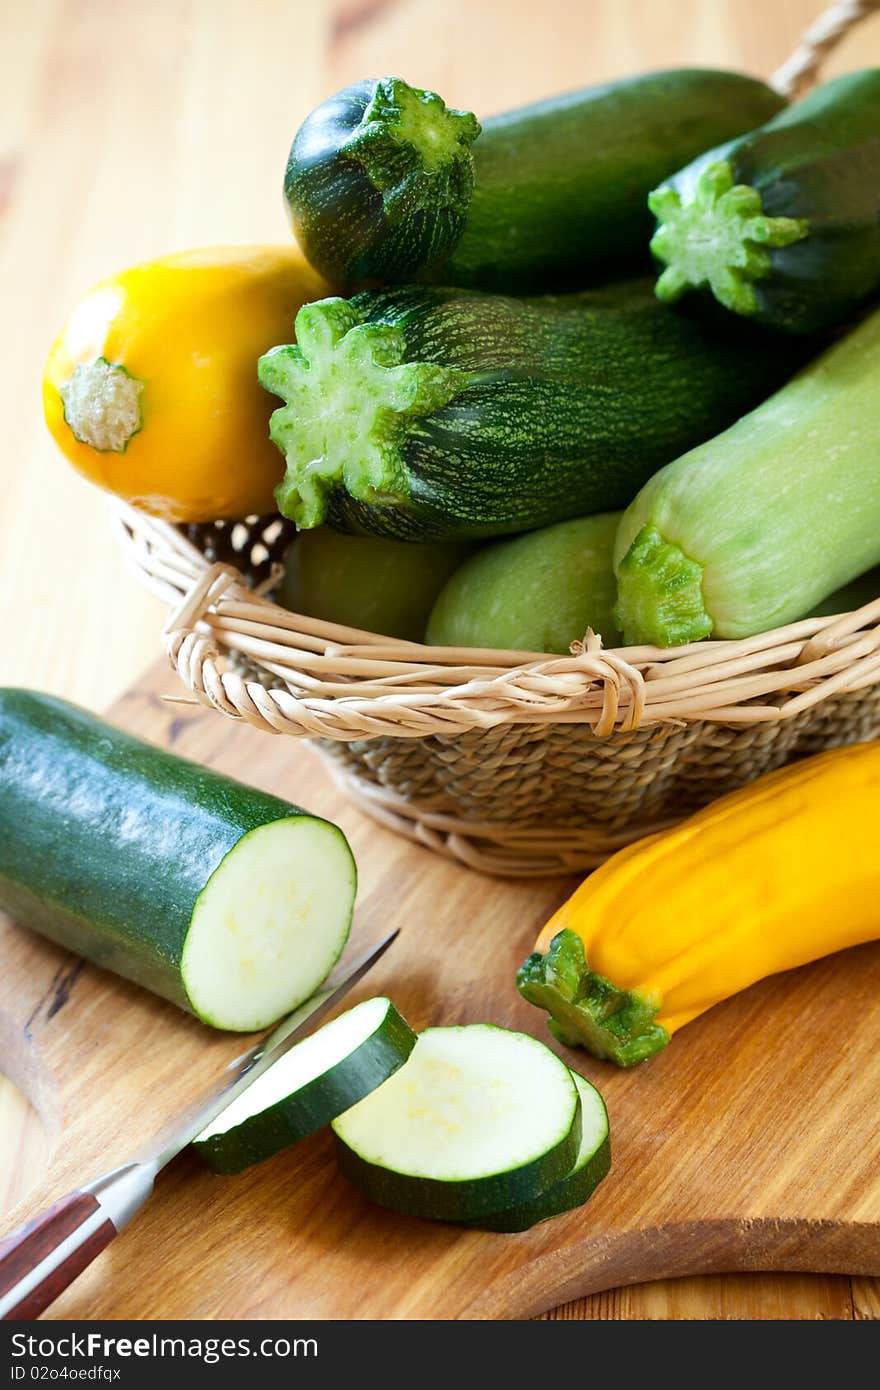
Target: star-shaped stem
349, 397
720, 238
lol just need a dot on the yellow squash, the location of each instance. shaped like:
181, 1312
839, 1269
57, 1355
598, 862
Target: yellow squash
151, 389
767, 878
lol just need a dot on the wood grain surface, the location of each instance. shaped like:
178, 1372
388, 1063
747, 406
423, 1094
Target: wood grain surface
130, 129
751, 1143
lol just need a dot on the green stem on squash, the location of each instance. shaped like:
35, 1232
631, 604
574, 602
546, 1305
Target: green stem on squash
660, 593
721, 238
585, 1009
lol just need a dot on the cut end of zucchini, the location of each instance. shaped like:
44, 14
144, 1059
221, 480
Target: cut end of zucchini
416, 152
347, 392
721, 238
270, 923
429, 138
102, 405
586, 1010
660, 593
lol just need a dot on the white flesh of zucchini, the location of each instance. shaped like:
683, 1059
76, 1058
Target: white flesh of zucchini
477, 1119
270, 923
576, 1188
305, 1062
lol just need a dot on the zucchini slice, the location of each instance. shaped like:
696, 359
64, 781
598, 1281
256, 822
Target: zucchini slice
231, 903
479, 1120
318, 1079
591, 1165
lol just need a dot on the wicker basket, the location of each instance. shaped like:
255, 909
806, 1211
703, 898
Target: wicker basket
512, 762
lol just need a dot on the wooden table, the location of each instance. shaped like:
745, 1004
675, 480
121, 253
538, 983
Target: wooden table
129, 128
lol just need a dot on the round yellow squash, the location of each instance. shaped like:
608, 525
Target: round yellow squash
151, 388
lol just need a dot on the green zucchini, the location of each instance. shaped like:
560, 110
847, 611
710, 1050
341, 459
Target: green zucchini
478, 1120
367, 582
754, 528
539, 592
230, 903
385, 182
782, 225
318, 1079
425, 413
592, 1164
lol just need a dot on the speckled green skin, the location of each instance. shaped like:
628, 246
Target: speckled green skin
560, 186
314, 1105
106, 842
549, 196
814, 175
367, 202
420, 413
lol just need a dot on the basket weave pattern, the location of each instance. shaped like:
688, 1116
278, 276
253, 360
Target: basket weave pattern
512, 762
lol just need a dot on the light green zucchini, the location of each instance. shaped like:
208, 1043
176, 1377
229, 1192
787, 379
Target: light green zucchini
538, 593
752, 529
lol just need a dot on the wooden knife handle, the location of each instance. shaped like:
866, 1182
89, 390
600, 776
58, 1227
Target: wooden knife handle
39, 1260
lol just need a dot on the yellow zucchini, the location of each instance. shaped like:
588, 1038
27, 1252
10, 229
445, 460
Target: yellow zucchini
767, 878
151, 388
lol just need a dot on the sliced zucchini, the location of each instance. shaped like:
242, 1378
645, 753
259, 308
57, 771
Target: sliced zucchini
478, 1120
590, 1167
318, 1079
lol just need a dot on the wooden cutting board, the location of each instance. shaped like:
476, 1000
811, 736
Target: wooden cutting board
751, 1143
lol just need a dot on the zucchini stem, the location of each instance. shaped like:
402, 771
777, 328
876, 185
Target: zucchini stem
720, 238
347, 394
586, 1010
433, 137
102, 405
416, 152
660, 593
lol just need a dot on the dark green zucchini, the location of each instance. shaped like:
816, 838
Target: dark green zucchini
424, 413
385, 182
782, 225
230, 903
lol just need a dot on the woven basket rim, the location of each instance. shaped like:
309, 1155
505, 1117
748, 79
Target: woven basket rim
324, 680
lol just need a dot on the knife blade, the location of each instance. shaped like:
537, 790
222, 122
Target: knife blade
242, 1072
40, 1259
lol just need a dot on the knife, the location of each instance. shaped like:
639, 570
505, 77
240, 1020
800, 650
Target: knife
40, 1259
